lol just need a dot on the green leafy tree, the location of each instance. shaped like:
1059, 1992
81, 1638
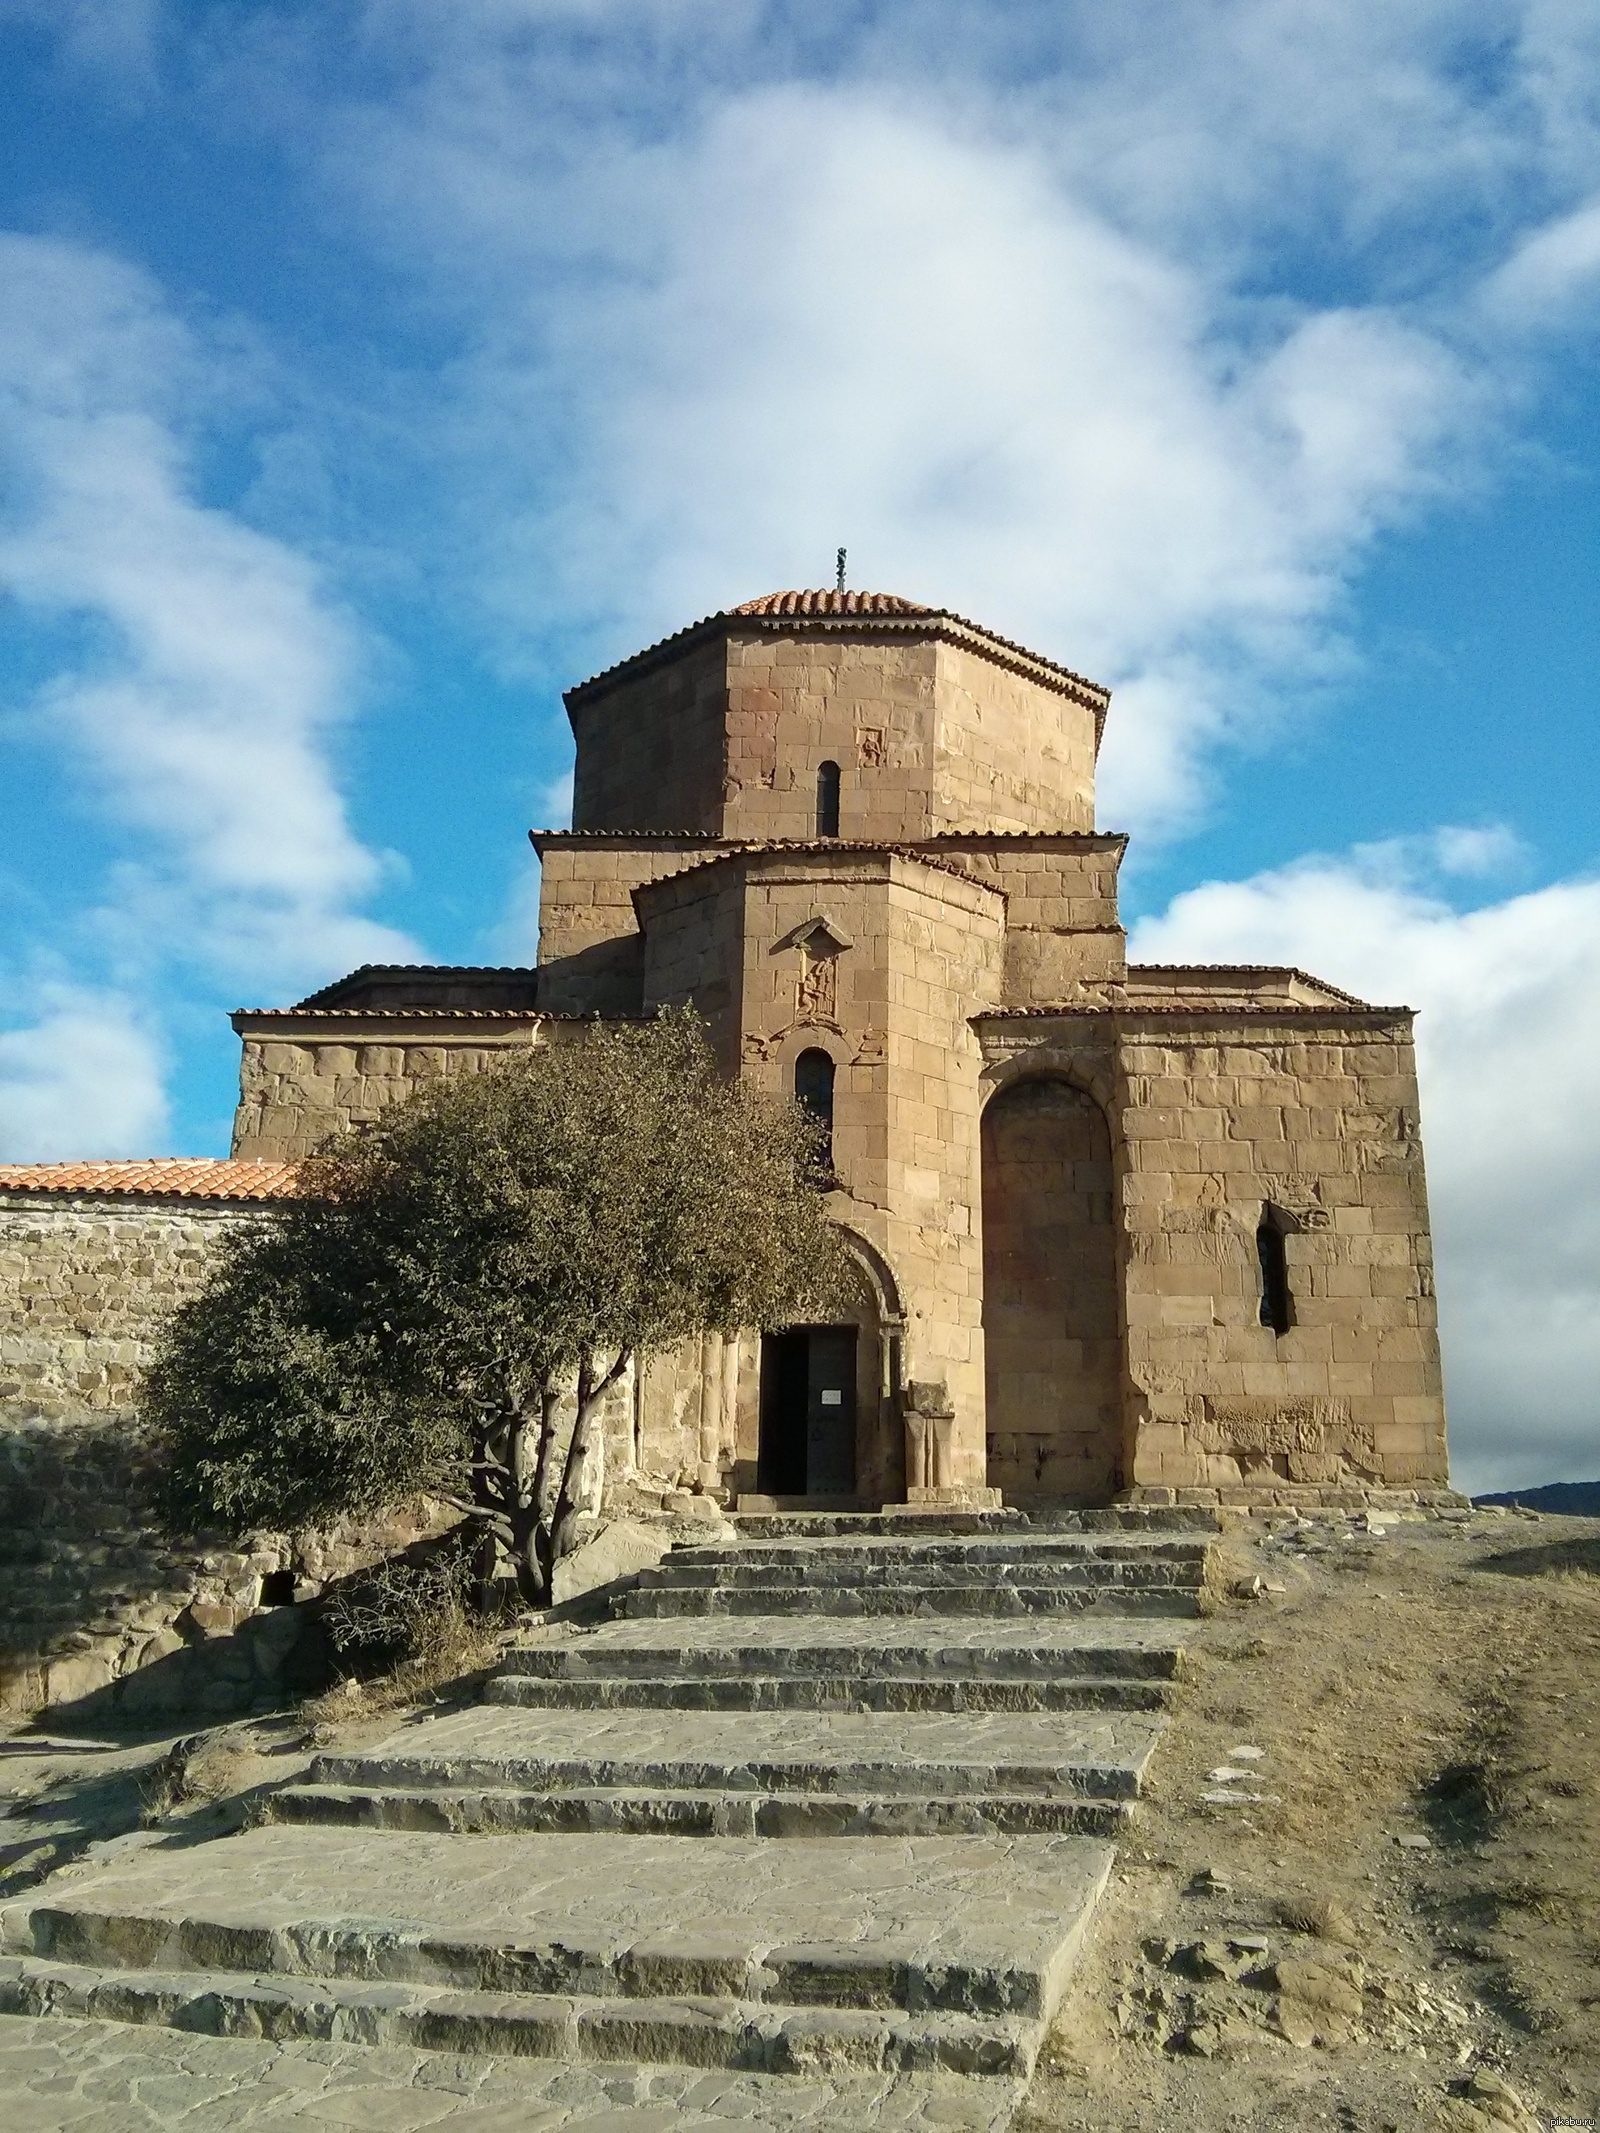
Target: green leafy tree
412, 1322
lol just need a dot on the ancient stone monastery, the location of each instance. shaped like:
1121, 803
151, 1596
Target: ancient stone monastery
1122, 1232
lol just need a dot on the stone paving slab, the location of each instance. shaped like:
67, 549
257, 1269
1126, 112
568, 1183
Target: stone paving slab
680, 1812
828, 1750
951, 1555
104, 2077
1065, 1636
1009, 1910
688, 2030
994, 1602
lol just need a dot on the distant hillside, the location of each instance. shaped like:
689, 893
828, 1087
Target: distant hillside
1578, 1499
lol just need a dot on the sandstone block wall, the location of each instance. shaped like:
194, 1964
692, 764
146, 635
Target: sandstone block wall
1051, 1317
1012, 752
1309, 1116
930, 729
1316, 1120
304, 1075
591, 952
1064, 937
796, 702
651, 745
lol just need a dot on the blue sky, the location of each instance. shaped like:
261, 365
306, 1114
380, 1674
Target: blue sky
369, 369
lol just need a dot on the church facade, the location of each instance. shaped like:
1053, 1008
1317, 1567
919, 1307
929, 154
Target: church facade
1122, 1233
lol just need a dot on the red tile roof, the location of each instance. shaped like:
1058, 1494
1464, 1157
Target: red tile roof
830, 602
162, 1177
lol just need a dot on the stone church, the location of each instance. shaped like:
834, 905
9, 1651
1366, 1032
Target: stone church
1130, 1232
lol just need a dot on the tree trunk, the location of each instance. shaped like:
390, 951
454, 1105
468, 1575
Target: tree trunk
535, 1554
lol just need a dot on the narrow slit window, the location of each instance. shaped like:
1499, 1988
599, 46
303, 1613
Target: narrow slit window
827, 799
1277, 1300
813, 1089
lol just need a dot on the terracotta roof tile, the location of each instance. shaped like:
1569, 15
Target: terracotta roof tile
162, 1177
830, 602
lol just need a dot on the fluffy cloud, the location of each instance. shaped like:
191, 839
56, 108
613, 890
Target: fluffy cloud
820, 315
85, 1081
1508, 1043
1552, 273
198, 666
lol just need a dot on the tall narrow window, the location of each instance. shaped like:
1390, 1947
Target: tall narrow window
813, 1088
827, 799
1277, 1303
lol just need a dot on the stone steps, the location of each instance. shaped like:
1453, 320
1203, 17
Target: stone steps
1070, 1662
854, 1774
621, 1811
730, 2034
989, 1601
953, 1558
904, 1521
909, 1756
883, 1953
988, 1576
811, 1692
837, 1804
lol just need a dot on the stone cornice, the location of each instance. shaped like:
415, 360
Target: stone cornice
932, 622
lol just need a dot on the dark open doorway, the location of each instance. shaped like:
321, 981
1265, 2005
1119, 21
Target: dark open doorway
808, 1413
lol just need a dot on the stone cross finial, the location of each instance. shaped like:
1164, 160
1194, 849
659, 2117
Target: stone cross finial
839, 567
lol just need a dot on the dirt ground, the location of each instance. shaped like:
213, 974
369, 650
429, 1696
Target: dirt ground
1390, 1919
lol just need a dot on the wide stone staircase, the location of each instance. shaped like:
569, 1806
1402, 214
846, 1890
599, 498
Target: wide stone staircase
835, 1801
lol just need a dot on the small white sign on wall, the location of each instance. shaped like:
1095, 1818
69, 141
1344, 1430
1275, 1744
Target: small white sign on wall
832, 1399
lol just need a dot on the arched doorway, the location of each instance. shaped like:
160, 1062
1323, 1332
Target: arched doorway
829, 1428
1051, 1341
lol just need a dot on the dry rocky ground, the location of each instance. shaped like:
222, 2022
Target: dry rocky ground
1394, 1920
1387, 1916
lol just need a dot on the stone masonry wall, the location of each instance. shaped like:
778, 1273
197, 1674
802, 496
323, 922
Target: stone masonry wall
591, 953
306, 1074
98, 1601
84, 1284
1217, 1120
651, 747
1012, 752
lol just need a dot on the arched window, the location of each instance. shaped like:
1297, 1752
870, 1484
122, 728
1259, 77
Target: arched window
813, 1089
827, 799
1277, 1301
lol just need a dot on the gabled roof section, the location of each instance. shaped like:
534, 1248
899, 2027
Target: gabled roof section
1254, 981
160, 1178
841, 612
428, 985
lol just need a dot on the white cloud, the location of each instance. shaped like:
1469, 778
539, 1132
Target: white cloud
84, 1082
821, 316
206, 666
1508, 1046
1551, 273
202, 720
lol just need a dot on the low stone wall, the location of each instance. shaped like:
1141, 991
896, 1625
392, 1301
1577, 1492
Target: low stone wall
105, 1611
85, 1283
102, 1609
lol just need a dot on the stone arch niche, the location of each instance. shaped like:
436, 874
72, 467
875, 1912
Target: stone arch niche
1052, 1338
801, 1456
